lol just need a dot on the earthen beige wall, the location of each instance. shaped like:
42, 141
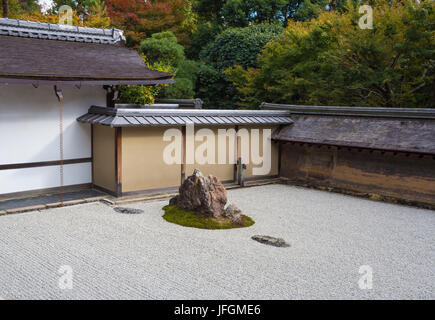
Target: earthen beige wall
104, 157
143, 167
410, 177
224, 172
274, 152
142, 164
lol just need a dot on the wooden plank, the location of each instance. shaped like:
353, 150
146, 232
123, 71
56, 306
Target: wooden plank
118, 161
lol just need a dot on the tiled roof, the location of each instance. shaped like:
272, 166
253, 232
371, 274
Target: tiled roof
410, 113
31, 54
383, 133
36, 59
155, 117
38, 30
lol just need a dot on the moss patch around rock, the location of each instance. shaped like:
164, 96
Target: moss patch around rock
191, 219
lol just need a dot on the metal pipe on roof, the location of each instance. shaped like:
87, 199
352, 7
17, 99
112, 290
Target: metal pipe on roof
146, 106
184, 103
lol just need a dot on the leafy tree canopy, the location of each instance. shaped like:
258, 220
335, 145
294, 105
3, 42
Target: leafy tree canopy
322, 57
163, 48
332, 61
239, 45
241, 13
140, 19
201, 37
18, 7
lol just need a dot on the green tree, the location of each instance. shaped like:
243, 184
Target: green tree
234, 46
184, 83
204, 34
75, 4
29, 5
209, 10
309, 9
241, 13
214, 89
143, 94
12, 8
239, 45
163, 48
331, 61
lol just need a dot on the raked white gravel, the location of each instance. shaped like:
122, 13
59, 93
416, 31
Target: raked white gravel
123, 256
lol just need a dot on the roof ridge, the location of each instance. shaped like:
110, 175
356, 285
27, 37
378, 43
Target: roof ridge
379, 112
51, 31
187, 112
175, 117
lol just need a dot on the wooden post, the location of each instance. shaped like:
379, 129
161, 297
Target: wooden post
279, 150
92, 155
279, 158
183, 154
118, 161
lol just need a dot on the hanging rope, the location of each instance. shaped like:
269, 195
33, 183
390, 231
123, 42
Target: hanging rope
61, 149
59, 95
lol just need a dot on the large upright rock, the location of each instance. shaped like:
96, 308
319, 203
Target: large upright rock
202, 194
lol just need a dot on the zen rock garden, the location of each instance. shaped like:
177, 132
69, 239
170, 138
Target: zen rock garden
201, 203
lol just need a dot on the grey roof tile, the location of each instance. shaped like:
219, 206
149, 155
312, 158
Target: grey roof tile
170, 120
161, 120
170, 117
30, 29
151, 120
213, 120
178, 120
132, 120
142, 120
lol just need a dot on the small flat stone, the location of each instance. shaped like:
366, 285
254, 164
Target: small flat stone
127, 210
271, 241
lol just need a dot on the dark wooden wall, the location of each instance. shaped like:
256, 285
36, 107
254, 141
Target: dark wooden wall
408, 177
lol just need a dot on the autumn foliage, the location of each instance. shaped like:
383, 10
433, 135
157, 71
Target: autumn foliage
239, 53
142, 18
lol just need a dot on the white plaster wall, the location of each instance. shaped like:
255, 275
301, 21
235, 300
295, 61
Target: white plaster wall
43, 177
29, 132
